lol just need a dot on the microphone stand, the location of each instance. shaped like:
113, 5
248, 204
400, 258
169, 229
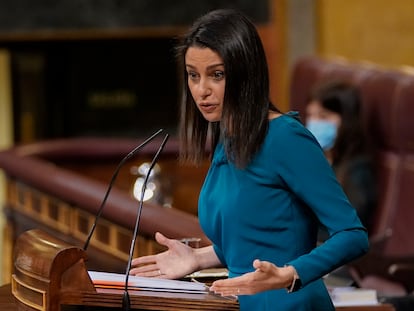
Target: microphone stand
129, 155
126, 302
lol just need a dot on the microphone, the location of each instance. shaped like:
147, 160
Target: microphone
126, 303
121, 163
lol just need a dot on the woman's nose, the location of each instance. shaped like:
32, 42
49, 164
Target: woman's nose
204, 88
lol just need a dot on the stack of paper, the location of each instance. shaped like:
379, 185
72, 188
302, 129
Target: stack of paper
117, 281
351, 296
210, 273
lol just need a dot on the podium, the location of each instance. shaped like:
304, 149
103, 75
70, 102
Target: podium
51, 275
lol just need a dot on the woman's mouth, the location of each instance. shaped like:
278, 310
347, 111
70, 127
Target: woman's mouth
207, 107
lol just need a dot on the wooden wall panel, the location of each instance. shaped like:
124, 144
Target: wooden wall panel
379, 31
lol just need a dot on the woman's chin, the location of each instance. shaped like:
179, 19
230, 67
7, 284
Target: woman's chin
211, 117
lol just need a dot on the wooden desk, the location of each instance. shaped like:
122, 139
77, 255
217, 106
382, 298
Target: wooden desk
51, 275
382, 307
7, 303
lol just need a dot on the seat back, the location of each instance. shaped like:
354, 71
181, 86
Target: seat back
400, 219
387, 111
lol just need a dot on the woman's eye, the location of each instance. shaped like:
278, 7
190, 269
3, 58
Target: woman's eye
192, 75
219, 75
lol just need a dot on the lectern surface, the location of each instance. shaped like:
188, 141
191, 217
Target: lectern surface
8, 303
150, 300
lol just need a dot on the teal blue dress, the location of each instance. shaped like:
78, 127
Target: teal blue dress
272, 209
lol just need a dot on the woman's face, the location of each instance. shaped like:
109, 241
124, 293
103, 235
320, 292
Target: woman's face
206, 81
316, 112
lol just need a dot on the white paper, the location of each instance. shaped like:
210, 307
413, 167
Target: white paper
351, 296
107, 279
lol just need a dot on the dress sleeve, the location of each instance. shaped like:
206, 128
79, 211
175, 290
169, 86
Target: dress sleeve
220, 255
309, 176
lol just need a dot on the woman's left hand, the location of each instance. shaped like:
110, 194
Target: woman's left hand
265, 277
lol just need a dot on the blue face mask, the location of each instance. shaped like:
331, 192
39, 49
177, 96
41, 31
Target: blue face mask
324, 131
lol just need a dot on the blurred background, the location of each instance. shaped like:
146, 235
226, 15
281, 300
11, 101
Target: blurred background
76, 68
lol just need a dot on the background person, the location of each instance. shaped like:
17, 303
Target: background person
333, 115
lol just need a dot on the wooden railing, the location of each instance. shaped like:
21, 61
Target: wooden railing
59, 185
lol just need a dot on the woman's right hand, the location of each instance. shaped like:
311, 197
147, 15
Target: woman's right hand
176, 262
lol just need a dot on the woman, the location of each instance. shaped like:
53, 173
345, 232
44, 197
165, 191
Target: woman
333, 115
269, 184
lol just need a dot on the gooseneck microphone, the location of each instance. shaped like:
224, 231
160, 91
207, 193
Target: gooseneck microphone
126, 303
115, 174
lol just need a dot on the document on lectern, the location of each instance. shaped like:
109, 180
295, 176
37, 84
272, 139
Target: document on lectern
117, 281
351, 296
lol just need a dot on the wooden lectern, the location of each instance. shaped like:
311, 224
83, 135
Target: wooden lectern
51, 275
